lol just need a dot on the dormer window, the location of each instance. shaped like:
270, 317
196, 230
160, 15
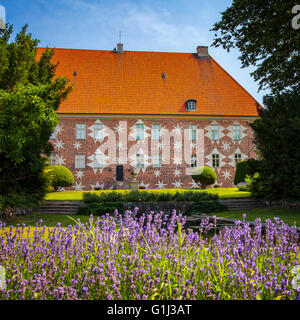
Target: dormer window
191, 105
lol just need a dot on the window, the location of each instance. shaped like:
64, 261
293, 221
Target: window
98, 131
155, 132
157, 161
52, 160
191, 105
98, 161
194, 161
236, 133
237, 158
79, 161
80, 131
139, 131
140, 161
53, 135
214, 132
193, 132
215, 161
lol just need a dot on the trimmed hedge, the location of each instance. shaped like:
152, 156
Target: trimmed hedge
147, 196
205, 175
206, 207
96, 208
60, 176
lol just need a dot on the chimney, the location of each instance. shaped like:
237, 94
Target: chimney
120, 47
202, 52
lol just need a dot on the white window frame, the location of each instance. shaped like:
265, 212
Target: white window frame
157, 161
98, 161
52, 159
79, 161
237, 158
98, 131
236, 132
193, 132
140, 164
191, 106
215, 160
139, 131
194, 161
156, 132
214, 132
80, 131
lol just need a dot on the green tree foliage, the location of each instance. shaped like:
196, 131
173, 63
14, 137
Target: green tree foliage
244, 168
277, 136
205, 175
29, 96
262, 31
60, 176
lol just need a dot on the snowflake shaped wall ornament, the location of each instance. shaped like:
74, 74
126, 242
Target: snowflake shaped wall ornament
226, 175
177, 184
177, 172
58, 129
79, 174
157, 173
60, 160
194, 185
78, 186
226, 146
59, 145
77, 145
161, 185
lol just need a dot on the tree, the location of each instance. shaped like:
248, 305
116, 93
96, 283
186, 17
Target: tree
277, 136
29, 96
262, 31
205, 175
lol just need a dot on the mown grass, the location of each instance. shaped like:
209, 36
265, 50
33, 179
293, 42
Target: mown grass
289, 216
223, 193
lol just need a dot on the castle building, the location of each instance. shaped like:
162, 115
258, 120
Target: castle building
160, 114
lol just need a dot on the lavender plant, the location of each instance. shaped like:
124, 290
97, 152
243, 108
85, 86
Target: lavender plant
153, 256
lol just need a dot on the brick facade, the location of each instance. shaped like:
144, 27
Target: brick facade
170, 175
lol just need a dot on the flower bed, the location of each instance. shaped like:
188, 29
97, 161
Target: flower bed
153, 257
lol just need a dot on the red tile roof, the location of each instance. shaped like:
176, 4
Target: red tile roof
131, 83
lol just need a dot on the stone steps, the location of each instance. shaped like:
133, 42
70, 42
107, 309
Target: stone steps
243, 204
60, 207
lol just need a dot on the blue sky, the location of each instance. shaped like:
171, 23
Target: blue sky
156, 25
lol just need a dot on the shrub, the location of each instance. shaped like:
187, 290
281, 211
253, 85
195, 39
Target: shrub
205, 175
243, 186
206, 207
61, 176
244, 168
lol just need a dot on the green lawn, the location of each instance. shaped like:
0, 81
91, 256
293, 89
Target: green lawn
289, 216
223, 193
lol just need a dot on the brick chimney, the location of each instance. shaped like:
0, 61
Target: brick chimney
120, 47
202, 52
